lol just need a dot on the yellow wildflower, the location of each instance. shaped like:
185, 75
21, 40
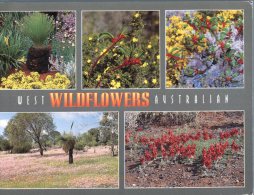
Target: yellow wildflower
106, 70
136, 15
89, 61
23, 59
90, 38
134, 40
6, 40
98, 78
115, 84
175, 19
103, 51
144, 65
149, 46
154, 81
145, 81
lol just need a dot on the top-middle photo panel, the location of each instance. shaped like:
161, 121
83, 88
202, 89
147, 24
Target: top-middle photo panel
120, 49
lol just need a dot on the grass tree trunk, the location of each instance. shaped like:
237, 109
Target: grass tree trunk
70, 156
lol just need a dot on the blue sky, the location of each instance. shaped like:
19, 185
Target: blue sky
83, 121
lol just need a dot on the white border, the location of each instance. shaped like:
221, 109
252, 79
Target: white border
113, 188
130, 10
212, 187
244, 47
75, 12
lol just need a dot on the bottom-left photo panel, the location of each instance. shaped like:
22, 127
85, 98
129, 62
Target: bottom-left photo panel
59, 150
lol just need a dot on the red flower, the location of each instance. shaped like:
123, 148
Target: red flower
195, 39
222, 45
205, 135
154, 152
223, 24
118, 38
240, 61
127, 138
163, 152
234, 146
208, 23
142, 160
147, 156
128, 62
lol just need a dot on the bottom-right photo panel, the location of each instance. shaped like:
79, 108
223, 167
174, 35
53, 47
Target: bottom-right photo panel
184, 149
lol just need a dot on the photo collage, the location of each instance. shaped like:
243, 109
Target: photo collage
174, 50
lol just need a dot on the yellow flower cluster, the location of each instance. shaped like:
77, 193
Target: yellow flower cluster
181, 39
115, 85
227, 16
20, 80
177, 33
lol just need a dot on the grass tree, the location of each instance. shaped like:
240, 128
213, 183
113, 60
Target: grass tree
68, 142
39, 28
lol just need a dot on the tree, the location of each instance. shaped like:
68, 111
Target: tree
109, 129
5, 144
95, 132
17, 136
35, 126
69, 142
52, 138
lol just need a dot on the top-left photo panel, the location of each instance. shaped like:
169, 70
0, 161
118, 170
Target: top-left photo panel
37, 50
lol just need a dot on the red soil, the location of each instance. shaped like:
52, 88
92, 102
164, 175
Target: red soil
27, 72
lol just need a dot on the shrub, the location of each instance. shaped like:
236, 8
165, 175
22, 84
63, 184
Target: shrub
204, 49
165, 119
63, 45
5, 145
13, 45
22, 148
128, 59
20, 80
79, 146
38, 27
11, 52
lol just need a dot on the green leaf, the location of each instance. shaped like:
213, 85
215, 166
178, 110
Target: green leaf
122, 50
228, 72
227, 45
202, 36
214, 28
106, 35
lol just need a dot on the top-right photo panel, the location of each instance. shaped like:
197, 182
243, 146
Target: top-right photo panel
204, 49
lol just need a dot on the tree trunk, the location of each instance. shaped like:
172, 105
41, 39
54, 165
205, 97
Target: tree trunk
113, 150
70, 156
41, 151
112, 145
38, 59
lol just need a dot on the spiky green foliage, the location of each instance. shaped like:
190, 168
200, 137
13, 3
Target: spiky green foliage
38, 27
13, 45
11, 51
